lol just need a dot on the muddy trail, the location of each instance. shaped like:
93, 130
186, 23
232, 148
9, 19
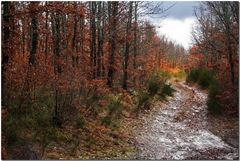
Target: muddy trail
178, 129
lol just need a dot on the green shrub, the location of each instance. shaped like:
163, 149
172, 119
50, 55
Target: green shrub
193, 76
19, 126
164, 75
57, 135
40, 115
106, 121
11, 136
167, 90
214, 106
154, 84
80, 121
114, 108
144, 99
114, 105
92, 99
205, 78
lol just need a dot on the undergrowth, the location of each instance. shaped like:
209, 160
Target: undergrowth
156, 86
114, 111
206, 79
213, 103
33, 123
203, 77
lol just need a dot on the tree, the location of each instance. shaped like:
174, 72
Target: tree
135, 35
127, 46
47, 33
6, 34
223, 13
93, 7
100, 20
113, 11
34, 35
57, 67
217, 27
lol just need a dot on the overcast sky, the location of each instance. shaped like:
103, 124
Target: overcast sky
177, 25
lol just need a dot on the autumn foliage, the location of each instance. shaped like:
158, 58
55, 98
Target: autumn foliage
216, 49
66, 62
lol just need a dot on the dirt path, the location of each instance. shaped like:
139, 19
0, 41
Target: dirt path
178, 129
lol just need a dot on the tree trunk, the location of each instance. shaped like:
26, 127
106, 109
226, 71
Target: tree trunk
113, 35
102, 35
100, 44
135, 38
46, 38
64, 30
230, 54
57, 69
6, 32
34, 36
82, 37
93, 38
74, 44
126, 54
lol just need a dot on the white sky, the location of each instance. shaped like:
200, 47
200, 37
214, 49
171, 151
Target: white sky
177, 26
178, 30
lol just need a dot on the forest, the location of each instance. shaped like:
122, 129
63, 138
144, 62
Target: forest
95, 80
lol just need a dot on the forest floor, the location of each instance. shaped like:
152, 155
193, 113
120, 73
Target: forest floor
181, 129
177, 128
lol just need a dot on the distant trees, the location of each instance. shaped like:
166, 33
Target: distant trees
217, 33
217, 48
